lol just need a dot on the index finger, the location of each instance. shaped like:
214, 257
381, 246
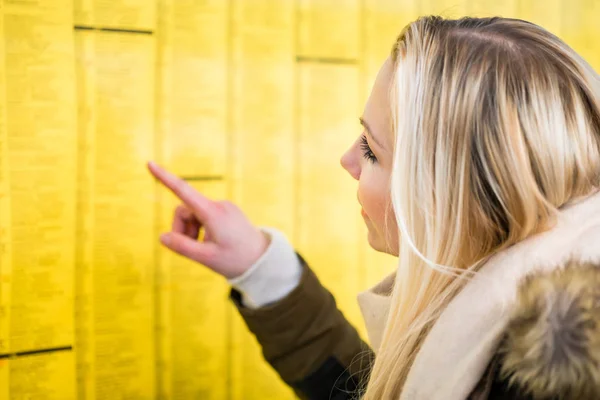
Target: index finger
198, 203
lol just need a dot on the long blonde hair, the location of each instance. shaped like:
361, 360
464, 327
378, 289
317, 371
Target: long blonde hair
497, 125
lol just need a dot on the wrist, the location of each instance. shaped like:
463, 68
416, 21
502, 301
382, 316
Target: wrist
274, 274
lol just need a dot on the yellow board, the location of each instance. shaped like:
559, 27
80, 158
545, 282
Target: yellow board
193, 42
445, 8
123, 240
43, 376
261, 155
38, 130
328, 230
193, 314
41, 141
5, 231
193, 321
329, 29
383, 20
114, 280
493, 8
123, 14
546, 13
84, 255
253, 101
580, 29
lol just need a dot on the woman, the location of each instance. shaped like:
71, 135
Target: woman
484, 137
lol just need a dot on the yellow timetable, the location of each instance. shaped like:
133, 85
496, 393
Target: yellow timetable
249, 100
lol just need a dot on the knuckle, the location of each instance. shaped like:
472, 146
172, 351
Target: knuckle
177, 211
226, 205
217, 209
182, 211
223, 203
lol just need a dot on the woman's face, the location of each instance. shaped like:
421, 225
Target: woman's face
369, 161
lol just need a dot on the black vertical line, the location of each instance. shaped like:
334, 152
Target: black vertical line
229, 188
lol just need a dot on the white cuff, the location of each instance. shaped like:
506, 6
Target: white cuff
273, 276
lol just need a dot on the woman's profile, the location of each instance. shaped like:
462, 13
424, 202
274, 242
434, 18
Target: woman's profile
478, 166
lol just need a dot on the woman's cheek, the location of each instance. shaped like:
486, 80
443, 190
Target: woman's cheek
369, 196
382, 202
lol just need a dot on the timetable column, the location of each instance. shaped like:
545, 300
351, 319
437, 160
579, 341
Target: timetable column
40, 133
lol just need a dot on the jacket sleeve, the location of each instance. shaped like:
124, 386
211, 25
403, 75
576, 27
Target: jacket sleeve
273, 276
307, 340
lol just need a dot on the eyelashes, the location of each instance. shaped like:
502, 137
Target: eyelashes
366, 150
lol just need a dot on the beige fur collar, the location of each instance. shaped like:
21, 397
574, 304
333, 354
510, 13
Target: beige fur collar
461, 343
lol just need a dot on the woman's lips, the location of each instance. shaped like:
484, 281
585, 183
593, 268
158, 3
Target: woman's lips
363, 213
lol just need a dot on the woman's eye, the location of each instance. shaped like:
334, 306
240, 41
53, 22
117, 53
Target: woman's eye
366, 150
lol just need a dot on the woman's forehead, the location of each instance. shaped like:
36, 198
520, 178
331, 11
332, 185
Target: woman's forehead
377, 112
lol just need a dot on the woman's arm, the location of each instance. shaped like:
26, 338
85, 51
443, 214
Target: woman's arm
304, 336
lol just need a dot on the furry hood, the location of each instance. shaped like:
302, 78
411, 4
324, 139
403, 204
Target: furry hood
551, 347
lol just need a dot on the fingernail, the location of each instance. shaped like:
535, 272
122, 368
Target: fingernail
165, 239
151, 164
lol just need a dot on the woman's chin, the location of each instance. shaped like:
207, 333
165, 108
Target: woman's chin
378, 244
375, 240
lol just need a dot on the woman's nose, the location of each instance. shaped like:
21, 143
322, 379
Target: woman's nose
350, 163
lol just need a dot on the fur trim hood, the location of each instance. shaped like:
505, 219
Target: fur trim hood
552, 343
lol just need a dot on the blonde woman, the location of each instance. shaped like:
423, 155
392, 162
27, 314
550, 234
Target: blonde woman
478, 165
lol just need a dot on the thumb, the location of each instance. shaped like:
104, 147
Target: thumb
204, 253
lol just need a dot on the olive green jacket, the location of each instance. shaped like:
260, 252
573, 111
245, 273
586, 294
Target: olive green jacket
307, 340
527, 326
